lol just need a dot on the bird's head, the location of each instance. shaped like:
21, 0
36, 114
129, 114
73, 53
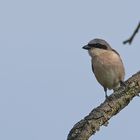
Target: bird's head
97, 43
97, 46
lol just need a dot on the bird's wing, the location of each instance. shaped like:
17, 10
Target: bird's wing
92, 68
116, 52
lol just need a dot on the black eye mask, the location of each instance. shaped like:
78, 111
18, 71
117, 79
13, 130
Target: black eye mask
100, 46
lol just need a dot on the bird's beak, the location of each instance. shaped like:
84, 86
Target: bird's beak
86, 47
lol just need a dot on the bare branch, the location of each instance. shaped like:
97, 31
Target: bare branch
110, 107
133, 35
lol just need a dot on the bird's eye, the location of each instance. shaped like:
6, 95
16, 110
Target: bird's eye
91, 45
101, 46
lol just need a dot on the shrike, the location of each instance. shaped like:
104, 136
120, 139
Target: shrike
107, 65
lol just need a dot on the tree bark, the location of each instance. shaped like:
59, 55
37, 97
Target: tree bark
113, 105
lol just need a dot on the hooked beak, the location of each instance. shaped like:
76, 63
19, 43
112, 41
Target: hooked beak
86, 47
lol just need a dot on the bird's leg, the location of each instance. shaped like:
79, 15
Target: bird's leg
105, 89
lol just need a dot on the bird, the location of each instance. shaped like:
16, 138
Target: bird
106, 63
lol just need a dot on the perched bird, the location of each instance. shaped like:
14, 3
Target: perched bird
107, 65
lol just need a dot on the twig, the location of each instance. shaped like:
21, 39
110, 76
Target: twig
133, 35
100, 115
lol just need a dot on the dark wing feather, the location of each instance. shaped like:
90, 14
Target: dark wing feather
92, 68
115, 52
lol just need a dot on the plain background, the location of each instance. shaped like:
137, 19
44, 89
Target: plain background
46, 82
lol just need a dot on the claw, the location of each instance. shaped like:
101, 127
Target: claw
122, 83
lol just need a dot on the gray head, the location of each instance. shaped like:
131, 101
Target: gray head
97, 43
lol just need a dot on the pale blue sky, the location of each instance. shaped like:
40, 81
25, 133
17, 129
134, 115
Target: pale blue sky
46, 82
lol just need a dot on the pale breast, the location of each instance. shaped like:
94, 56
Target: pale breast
108, 69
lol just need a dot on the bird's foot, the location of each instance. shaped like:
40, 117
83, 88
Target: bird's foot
107, 98
122, 83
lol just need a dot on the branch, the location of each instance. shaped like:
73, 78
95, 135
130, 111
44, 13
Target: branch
99, 116
133, 35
